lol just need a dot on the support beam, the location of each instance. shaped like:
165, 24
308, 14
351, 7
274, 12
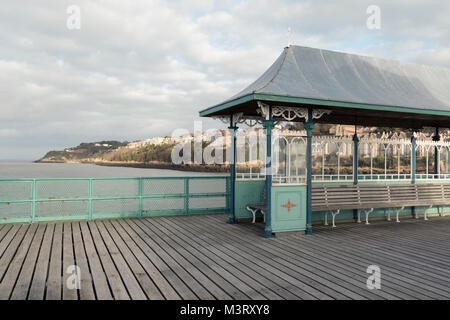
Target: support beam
309, 126
232, 128
268, 124
436, 138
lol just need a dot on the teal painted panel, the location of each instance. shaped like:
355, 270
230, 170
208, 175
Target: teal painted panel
247, 192
288, 208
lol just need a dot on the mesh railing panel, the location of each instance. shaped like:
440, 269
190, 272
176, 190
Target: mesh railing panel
207, 203
162, 205
207, 186
62, 209
62, 189
164, 186
16, 190
15, 212
34, 200
115, 207
115, 188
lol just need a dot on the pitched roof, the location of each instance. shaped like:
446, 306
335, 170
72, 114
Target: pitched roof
316, 76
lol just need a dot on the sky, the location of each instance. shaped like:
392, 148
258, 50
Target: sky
142, 68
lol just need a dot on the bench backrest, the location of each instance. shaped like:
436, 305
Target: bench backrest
395, 194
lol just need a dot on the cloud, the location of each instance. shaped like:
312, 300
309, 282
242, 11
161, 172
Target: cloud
144, 68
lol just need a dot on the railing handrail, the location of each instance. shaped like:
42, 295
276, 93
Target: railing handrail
116, 178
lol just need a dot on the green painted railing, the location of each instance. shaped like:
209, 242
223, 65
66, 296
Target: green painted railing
54, 199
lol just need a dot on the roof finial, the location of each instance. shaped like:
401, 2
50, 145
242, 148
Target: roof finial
289, 37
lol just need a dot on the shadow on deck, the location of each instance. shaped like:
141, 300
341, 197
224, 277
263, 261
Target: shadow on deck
202, 257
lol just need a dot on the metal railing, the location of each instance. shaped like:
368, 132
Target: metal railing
54, 199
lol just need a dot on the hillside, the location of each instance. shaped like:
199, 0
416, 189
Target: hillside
82, 152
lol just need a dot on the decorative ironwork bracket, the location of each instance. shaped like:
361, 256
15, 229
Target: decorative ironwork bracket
290, 113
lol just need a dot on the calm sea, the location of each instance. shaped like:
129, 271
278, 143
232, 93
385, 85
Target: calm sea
81, 170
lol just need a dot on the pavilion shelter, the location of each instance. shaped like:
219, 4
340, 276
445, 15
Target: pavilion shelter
320, 86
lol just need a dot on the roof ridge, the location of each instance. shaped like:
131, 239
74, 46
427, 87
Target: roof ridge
276, 73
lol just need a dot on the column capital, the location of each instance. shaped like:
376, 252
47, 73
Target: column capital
309, 126
436, 137
268, 123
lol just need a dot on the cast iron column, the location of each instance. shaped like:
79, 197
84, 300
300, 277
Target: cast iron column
355, 167
413, 168
309, 126
268, 125
233, 129
436, 138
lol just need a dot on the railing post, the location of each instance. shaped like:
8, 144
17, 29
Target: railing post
186, 195
90, 208
33, 203
140, 213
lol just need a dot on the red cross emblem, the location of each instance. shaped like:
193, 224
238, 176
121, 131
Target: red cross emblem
289, 205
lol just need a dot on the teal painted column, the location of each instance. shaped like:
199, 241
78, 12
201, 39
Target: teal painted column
413, 159
413, 168
268, 125
309, 126
355, 167
436, 138
233, 129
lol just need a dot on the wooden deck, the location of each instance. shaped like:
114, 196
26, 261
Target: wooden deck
202, 257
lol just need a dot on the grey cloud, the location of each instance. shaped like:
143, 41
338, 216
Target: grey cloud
144, 68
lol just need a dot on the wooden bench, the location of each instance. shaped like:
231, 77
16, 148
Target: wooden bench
254, 208
334, 198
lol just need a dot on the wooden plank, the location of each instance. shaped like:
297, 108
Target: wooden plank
144, 282
20, 291
69, 279
164, 286
115, 281
38, 284
86, 291
13, 269
168, 267
100, 282
270, 289
133, 286
230, 280
315, 275
7, 236
54, 289
203, 286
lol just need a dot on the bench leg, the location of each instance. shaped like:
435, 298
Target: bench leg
367, 212
389, 214
334, 214
397, 213
359, 216
253, 211
325, 220
264, 215
425, 212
